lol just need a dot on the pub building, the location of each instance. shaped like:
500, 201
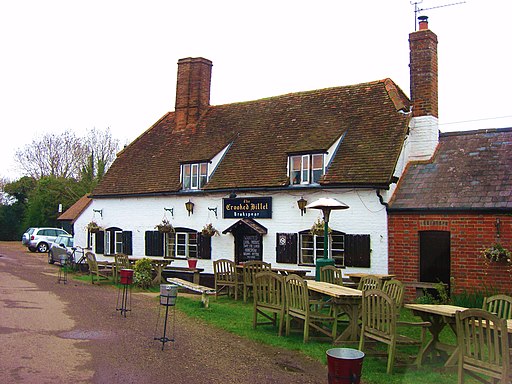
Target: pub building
248, 170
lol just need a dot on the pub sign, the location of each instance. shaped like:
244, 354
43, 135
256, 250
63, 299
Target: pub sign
248, 207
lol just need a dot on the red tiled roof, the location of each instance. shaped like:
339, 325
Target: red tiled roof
470, 171
263, 133
72, 213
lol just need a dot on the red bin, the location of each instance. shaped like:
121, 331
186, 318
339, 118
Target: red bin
126, 276
344, 365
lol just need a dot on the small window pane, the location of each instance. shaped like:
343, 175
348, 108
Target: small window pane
295, 170
305, 169
318, 167
186, 176
194, 176
203, 174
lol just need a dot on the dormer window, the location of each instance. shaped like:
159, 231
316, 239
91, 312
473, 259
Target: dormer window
306, 169
194, 176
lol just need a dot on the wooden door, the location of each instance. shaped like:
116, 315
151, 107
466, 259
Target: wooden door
435, 256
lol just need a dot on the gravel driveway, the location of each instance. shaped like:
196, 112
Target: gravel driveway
56, 333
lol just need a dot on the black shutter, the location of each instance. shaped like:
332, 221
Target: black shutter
148, 239
99, 242
286, 248
127, 242
357, 251
204, 246
158, 243
154, 243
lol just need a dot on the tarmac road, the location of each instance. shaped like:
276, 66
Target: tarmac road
59, 333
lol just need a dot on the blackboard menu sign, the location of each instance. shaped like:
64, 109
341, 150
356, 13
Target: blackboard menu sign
251, 247
253, 207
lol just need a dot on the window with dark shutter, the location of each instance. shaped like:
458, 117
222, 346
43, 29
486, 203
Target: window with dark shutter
154, 243
127, 243
286, 248
99, 242
204, 244
357, 251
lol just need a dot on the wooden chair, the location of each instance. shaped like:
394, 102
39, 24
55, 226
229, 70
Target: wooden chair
250, 269
483, 344
369, 282
380, 323
331, 274
226, 277
120, 262
100, 272
269, 296
299, 306
501, 305
395, 289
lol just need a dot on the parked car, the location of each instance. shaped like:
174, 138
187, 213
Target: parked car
63, 245
40, 239
26, 236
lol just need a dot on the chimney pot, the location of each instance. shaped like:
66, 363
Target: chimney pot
423, 22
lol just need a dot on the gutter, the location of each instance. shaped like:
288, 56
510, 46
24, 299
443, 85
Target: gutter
238, 190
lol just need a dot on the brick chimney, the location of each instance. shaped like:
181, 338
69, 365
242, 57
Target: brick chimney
424, 127
423, 57
192, 90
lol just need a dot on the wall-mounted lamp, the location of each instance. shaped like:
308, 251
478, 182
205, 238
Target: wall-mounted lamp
232, 195
190, 207
170, 210
302, 205
100, 211
213, 210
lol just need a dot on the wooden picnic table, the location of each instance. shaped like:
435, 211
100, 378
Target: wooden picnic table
441, 315
345, 300
357, 276
282, 271
157, 263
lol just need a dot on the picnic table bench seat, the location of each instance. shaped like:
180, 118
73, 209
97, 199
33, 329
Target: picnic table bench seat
203, 290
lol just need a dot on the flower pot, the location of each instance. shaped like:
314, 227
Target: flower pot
192, 263
126, 276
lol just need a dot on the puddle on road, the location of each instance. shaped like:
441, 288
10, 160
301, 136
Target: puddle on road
79, 334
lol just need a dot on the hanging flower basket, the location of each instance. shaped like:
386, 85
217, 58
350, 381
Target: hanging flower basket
93, 227
209, 231
165, 227
497, 253
318, 228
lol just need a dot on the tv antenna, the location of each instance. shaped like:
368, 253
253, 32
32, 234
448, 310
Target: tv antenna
417, 10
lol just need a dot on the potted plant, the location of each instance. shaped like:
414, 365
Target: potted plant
318, 228
93, 227
497, 253
165, 226
209, 230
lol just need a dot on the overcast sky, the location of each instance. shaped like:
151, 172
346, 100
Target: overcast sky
77, 65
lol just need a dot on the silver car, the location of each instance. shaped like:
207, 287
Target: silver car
62, 246
40, 239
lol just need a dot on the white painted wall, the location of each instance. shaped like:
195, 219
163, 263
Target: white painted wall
365, 216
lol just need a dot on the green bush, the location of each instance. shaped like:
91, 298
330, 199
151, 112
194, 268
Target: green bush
142, 273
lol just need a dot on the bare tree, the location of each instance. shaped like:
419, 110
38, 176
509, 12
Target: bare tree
68, 156
101, 149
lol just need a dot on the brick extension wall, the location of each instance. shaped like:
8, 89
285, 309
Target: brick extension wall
469, 235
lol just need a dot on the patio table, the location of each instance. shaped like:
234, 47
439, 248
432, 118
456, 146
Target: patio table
356, 277
157, 263
344, 300
439, 315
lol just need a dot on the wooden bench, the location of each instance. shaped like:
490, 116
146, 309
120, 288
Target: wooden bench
196, 272
204, 291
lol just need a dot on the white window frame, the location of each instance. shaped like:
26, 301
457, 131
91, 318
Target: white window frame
338, 254
188, 242
197, 175
306, 171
